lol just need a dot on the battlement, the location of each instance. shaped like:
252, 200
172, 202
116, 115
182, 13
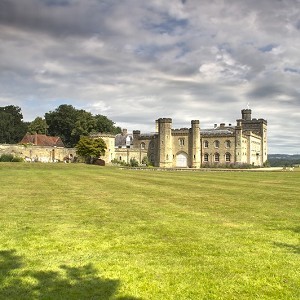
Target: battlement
165, 120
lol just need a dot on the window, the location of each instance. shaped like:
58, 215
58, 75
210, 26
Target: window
181, 142
205, 144
128, 141
217, 157
143, 145
227, 144
217, 144
205, 157
227, 157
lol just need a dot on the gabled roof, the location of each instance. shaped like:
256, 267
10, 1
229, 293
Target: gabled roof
42, 140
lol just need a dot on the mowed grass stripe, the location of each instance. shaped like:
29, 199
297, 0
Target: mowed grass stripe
148, 234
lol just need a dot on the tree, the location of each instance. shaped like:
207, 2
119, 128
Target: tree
103, 124
70, 124
12, 127
62, 122
90, 149
84, 125
38, 125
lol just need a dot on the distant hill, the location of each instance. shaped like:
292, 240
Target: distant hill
283, 160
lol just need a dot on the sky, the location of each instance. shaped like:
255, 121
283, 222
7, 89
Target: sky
136, 61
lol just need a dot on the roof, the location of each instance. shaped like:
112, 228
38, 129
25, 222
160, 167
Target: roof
42, 140
121, 139
216, 132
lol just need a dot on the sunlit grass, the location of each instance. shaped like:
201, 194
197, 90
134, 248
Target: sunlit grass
73, 231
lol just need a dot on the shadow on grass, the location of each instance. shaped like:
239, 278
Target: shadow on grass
292, 248
70, 283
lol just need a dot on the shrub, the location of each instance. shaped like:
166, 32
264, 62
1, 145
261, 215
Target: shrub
133, 162
6, 157
10, 158
228, 166
118, 162
145, 161
17, 159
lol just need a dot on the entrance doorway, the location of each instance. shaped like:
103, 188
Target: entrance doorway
181, 160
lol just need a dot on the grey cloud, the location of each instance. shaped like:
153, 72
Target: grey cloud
55, 17
57, 2
135, 61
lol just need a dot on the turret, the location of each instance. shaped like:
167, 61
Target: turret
246, 114
136, 134
194, 146
165, 142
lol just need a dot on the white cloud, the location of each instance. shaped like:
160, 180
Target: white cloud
135, 61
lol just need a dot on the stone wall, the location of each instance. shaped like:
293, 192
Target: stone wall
38, 153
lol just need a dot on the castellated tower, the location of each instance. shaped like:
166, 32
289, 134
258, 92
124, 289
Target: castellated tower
195, 145
258, 127
165, 143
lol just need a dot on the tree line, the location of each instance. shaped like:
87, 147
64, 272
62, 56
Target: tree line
65, 121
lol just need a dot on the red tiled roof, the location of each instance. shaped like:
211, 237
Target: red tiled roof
42, 140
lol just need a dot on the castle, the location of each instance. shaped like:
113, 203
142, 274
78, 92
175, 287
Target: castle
244, 143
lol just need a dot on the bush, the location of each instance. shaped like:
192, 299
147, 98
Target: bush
6, 157
17, 159
133, 162
145, 161
10, 158
228, 166
119, 162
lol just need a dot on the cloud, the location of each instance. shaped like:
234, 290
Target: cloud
136, 61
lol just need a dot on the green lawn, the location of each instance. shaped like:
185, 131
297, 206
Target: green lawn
73, 231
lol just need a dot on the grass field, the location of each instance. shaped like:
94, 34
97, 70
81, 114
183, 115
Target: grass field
73, 231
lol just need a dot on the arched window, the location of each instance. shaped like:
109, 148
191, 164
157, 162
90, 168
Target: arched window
143, 145
216, 144
205, 144
151, 145
227, 144
227, 157
217, 157
205, 157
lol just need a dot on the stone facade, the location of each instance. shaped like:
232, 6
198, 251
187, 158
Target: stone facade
244, 143
38, 153
40, 148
